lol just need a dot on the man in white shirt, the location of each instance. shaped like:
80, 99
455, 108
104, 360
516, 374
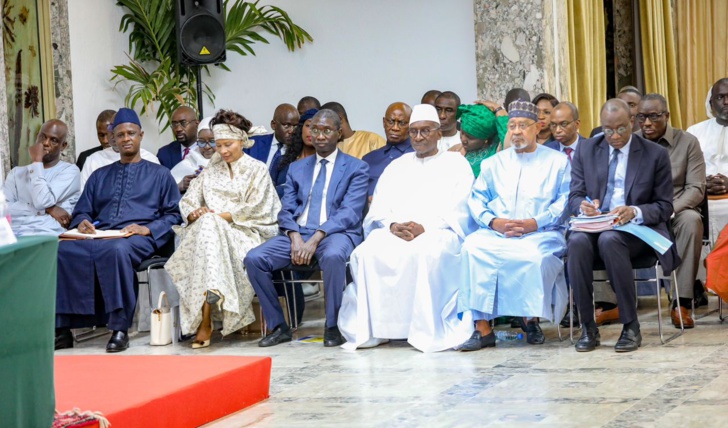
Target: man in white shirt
404, 281
41, 196
713, 137
447, 104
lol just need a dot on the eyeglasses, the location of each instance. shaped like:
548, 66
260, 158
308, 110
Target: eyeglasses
326, 132
413, 133
182, 123
652, 116
202, 143
287, 126
554, 126
621, 131
522, 126
392, 122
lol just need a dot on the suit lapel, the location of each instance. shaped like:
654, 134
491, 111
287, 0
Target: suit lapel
602, 167
307, 178
633, 164
339, 168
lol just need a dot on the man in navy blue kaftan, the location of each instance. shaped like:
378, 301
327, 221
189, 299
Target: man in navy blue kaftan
97, 283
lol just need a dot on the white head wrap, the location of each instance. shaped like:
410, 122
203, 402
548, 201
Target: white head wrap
224, 131
204, 125
708, 107
422, 112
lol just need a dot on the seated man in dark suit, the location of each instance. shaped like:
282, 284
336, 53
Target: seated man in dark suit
269, 147
321, 216
184, 126
564, 125
631, 177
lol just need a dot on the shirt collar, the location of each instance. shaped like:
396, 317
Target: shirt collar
668, 137
624, 149
402, 147
573, 145
331, 158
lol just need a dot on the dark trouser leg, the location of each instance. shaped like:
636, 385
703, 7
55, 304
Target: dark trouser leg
617, 249
332, 253
260, 264
581, 249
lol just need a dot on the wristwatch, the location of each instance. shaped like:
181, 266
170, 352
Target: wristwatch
490, 225
497, 110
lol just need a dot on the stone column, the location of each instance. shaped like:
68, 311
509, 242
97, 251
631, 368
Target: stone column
60, 40
520, 43
4, 132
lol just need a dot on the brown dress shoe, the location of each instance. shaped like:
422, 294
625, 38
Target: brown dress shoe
607, 317
687, 319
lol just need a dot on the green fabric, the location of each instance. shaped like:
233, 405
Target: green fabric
476, 157
477, 120
27, 317
492, 147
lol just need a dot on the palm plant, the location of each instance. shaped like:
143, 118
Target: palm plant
153, 72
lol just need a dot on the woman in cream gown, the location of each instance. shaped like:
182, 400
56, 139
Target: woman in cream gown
229, 209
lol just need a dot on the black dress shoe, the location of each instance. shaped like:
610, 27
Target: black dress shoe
565, 321
332, 337
64, 339
280, 334
589, 339
628, 341
119, 341
534, 334
477, 342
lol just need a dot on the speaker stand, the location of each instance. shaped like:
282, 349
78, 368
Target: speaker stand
199, 91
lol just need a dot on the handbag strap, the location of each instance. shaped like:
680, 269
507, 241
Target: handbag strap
162, 295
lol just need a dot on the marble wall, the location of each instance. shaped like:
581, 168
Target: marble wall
62, 72
519, 44
62, 83
624, 44
4, 133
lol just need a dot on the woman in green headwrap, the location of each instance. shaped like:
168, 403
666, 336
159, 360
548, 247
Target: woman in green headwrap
482, 131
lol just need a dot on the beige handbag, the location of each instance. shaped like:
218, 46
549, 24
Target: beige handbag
161, 323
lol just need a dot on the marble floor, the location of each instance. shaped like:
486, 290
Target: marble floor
681, 384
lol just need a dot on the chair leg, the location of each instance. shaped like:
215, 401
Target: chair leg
720, 309
571, 315
293, 315
558, 326
149, 286
659, 309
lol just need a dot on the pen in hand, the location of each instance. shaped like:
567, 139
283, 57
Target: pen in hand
593, 205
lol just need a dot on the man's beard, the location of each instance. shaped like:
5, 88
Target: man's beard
519, 145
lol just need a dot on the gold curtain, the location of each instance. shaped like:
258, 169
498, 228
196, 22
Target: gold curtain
587, 60
702, 31
659, 55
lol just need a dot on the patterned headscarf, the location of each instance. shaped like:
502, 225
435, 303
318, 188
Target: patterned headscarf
223, 131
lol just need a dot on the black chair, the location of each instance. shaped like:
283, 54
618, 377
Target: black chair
157, 261
645, 261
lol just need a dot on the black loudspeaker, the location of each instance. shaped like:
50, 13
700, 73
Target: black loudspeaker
200, 32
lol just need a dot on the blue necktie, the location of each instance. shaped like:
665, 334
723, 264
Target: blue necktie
317, 198
274, 161
610, 181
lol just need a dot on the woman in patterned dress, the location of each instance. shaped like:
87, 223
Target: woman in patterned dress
229, 209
